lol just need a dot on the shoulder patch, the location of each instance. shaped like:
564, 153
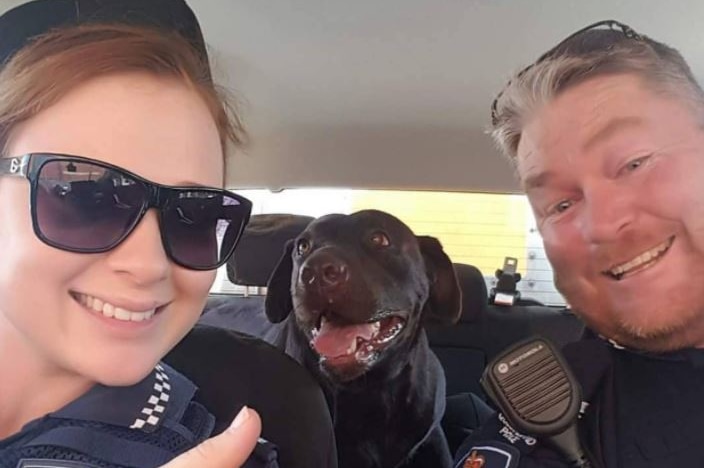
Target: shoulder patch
490, 455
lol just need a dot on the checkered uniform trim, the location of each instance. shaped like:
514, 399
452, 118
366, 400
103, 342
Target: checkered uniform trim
153, 411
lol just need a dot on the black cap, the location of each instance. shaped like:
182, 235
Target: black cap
24, 22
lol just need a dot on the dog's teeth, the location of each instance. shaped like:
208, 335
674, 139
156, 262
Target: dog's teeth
376, 326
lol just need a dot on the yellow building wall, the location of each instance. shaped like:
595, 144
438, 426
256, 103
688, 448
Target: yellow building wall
474, 228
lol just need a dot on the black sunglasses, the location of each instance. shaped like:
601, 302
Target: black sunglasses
87, 206
578, 44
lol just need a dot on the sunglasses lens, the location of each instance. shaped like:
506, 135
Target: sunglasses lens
85, 207
201, 227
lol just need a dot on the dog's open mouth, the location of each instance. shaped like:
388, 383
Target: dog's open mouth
354, 344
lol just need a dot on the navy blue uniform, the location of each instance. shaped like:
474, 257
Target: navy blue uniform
642, 410
141, 426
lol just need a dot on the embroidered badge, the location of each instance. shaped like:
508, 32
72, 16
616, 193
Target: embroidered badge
474, 461
491, 455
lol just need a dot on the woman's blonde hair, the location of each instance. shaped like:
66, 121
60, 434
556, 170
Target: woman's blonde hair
53, 64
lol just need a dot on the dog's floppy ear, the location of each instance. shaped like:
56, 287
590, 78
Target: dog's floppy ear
445, 298
278, 303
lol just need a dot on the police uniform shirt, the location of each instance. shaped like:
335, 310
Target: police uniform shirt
643, 410
140, 426
658, 412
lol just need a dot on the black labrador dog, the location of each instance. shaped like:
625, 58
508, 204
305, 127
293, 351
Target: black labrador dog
360, 288
348, 300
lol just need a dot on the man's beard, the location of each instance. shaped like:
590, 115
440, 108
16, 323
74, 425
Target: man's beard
676, 325
686, 332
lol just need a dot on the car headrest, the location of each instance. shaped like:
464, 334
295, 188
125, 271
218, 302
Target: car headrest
475, 297
261, 246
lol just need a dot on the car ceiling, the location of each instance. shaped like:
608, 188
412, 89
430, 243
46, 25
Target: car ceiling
394, 93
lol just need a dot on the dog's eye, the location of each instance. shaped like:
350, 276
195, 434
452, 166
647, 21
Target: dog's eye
303, 247
380, 239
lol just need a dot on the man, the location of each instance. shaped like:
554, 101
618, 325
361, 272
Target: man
605, 133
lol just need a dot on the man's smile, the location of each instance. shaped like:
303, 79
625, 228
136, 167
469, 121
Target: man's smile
641, 261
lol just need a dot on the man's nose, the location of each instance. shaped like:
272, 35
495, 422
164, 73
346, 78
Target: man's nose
142, 256
606, 213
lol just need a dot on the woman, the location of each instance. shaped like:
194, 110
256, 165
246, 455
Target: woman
113, 221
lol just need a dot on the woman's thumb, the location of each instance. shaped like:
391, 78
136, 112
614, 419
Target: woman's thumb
230, 449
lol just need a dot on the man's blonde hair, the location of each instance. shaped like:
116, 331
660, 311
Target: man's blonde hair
590, 54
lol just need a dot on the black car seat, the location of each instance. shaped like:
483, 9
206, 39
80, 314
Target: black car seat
261, 246
484, 329
462, 360
233, 369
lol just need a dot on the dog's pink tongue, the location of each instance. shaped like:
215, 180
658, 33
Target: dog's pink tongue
334, 340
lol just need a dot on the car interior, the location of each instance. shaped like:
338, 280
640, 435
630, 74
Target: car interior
385, 105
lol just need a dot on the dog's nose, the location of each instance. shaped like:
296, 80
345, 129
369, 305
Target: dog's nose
334, 273
328, 274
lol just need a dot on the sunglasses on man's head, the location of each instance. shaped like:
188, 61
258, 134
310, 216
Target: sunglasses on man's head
87, 206
599, 36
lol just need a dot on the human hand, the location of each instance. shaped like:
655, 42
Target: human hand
229, 449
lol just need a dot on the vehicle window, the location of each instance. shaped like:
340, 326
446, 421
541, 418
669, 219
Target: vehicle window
480, 229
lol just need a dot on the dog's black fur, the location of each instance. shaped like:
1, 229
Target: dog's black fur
385, 387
